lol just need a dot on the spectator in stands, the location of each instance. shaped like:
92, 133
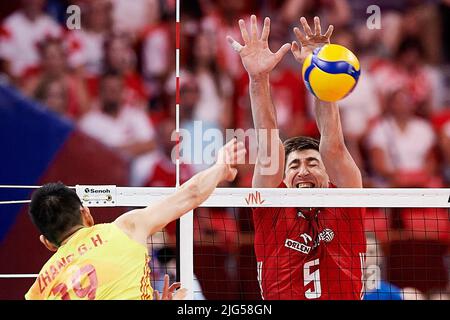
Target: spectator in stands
376, 287
163, 171
444, 143
401, 145
416, 15
194, 132
53, 68
20, 34
335, 12
410, 293
415, 243
409, 68
86, 46
166, 264
143, 13
52, 92
120, 58
215, 87
360, 109
157, 48
440, 294
219, 19
126, 128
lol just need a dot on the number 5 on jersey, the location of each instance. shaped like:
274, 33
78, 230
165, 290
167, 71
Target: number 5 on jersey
311, 274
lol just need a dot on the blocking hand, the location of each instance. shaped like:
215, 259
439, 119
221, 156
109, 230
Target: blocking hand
168, 292
255, 54
309, 40
230, 155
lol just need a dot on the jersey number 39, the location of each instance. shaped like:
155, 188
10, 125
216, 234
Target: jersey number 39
87, 276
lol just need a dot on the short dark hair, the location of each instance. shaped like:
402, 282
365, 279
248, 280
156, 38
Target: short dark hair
55, 209
299, 144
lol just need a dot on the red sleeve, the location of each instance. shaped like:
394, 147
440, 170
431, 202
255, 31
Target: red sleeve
262, 215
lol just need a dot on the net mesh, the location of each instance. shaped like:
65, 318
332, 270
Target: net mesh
162, 250
406, 256
406, 250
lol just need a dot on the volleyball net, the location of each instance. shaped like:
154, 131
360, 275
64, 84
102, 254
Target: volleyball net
212, 249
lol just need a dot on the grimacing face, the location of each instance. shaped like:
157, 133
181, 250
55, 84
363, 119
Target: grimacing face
305, 169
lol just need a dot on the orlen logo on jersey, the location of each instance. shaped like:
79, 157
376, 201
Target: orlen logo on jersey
87, 190
295, 245
326, 235
306, 238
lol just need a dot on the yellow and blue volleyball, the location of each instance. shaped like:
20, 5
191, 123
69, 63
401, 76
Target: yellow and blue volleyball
331, 72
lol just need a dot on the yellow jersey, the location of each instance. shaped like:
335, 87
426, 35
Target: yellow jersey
100, 262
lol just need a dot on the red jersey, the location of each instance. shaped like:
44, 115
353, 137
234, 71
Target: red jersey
310, 254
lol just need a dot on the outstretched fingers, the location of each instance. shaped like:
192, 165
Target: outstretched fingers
253, 28
239, 155
306, 27
165, 291
300, 36
329, 32
295, 49
317, 27
244, 32
266, 30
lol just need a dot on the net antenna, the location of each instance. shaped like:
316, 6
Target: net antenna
185, 248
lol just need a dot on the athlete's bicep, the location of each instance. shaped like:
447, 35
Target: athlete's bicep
139, 224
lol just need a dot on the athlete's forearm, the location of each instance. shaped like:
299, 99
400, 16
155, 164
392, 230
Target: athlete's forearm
329, 125
263, 110
203, 184
188, 197
141, 223
270, 162
340, 165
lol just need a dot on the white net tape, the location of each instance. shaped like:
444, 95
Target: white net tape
113, 196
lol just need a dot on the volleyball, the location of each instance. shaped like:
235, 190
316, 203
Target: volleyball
331, 72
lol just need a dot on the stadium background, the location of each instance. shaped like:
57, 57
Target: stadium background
53, 82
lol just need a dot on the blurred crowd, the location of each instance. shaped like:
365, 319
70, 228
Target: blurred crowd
114, 77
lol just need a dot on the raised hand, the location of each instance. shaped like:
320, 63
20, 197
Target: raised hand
309, 40
255, 53
230, 155
168, 292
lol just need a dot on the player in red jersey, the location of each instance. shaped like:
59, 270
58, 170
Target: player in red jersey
302, 253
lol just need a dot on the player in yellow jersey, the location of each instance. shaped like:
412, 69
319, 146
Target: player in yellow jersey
110, 261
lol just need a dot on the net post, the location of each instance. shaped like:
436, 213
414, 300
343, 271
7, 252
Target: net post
186, 253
